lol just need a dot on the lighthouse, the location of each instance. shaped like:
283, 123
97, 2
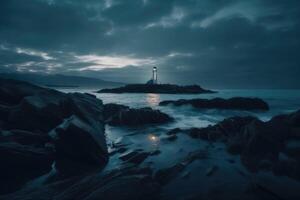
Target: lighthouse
154, 75
153, 80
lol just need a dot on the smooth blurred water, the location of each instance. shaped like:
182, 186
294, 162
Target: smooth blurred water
231, 177
280, 102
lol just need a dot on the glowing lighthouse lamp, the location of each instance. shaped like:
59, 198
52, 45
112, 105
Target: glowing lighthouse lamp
154, 76
153, 81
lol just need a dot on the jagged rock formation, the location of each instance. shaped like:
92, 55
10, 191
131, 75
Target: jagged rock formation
237, 103
40, 126
272, 145
119, 115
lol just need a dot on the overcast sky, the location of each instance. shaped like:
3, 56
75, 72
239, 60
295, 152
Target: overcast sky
214, 43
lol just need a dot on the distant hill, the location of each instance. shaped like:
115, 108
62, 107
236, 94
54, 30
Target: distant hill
59, 80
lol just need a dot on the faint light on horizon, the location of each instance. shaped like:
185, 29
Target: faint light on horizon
103, 62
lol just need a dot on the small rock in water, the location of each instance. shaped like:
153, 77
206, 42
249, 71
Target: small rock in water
139, 158
174, 131
154, 153
210, 171
170, 138
186, 175
120, 150
128, 155
135, 156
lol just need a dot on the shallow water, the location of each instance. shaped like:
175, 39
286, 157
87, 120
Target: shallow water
230, 178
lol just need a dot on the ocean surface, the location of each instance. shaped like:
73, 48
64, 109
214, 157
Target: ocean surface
153, 137
280, 102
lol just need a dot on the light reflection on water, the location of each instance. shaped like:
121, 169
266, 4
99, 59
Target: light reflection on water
280, 101
154, 140
152, 99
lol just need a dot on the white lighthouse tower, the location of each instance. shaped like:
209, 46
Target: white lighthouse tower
153, 80
154, 76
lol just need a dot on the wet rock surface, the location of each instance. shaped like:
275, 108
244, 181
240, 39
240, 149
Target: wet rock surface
157, 88
119, 115
41, 126
236, 103
125, 183
257, 142
238, 158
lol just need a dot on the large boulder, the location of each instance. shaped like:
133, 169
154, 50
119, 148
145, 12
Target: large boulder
78, 142
28, 113
259, 144
112, 109
40, 112
23, 156
236, 103
12, 91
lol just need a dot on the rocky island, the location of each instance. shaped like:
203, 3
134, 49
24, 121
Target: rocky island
158, 88
236, 103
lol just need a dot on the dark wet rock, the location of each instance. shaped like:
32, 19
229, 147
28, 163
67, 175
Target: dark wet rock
292, 148
124, 183
112, 109
174, 131
128, 155
117, 150
157, 88
237, 103
135, 157
257, 142
164, 176
12, 92
228, 130
210, 171
169, 138
136, 117
28, 113
231, 161
208, 133
186, 175
172, 137
287, 167
234, 146
23, 156
265, 165
39, 112
20, 163
24, 137
76, 140
154, 153
139, 158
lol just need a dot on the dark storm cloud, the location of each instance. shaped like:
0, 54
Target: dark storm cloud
221, 43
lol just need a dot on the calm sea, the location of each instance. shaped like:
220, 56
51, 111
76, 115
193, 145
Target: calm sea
280, 102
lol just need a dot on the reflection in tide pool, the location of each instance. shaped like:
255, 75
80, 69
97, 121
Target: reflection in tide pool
153, 99
153, 139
